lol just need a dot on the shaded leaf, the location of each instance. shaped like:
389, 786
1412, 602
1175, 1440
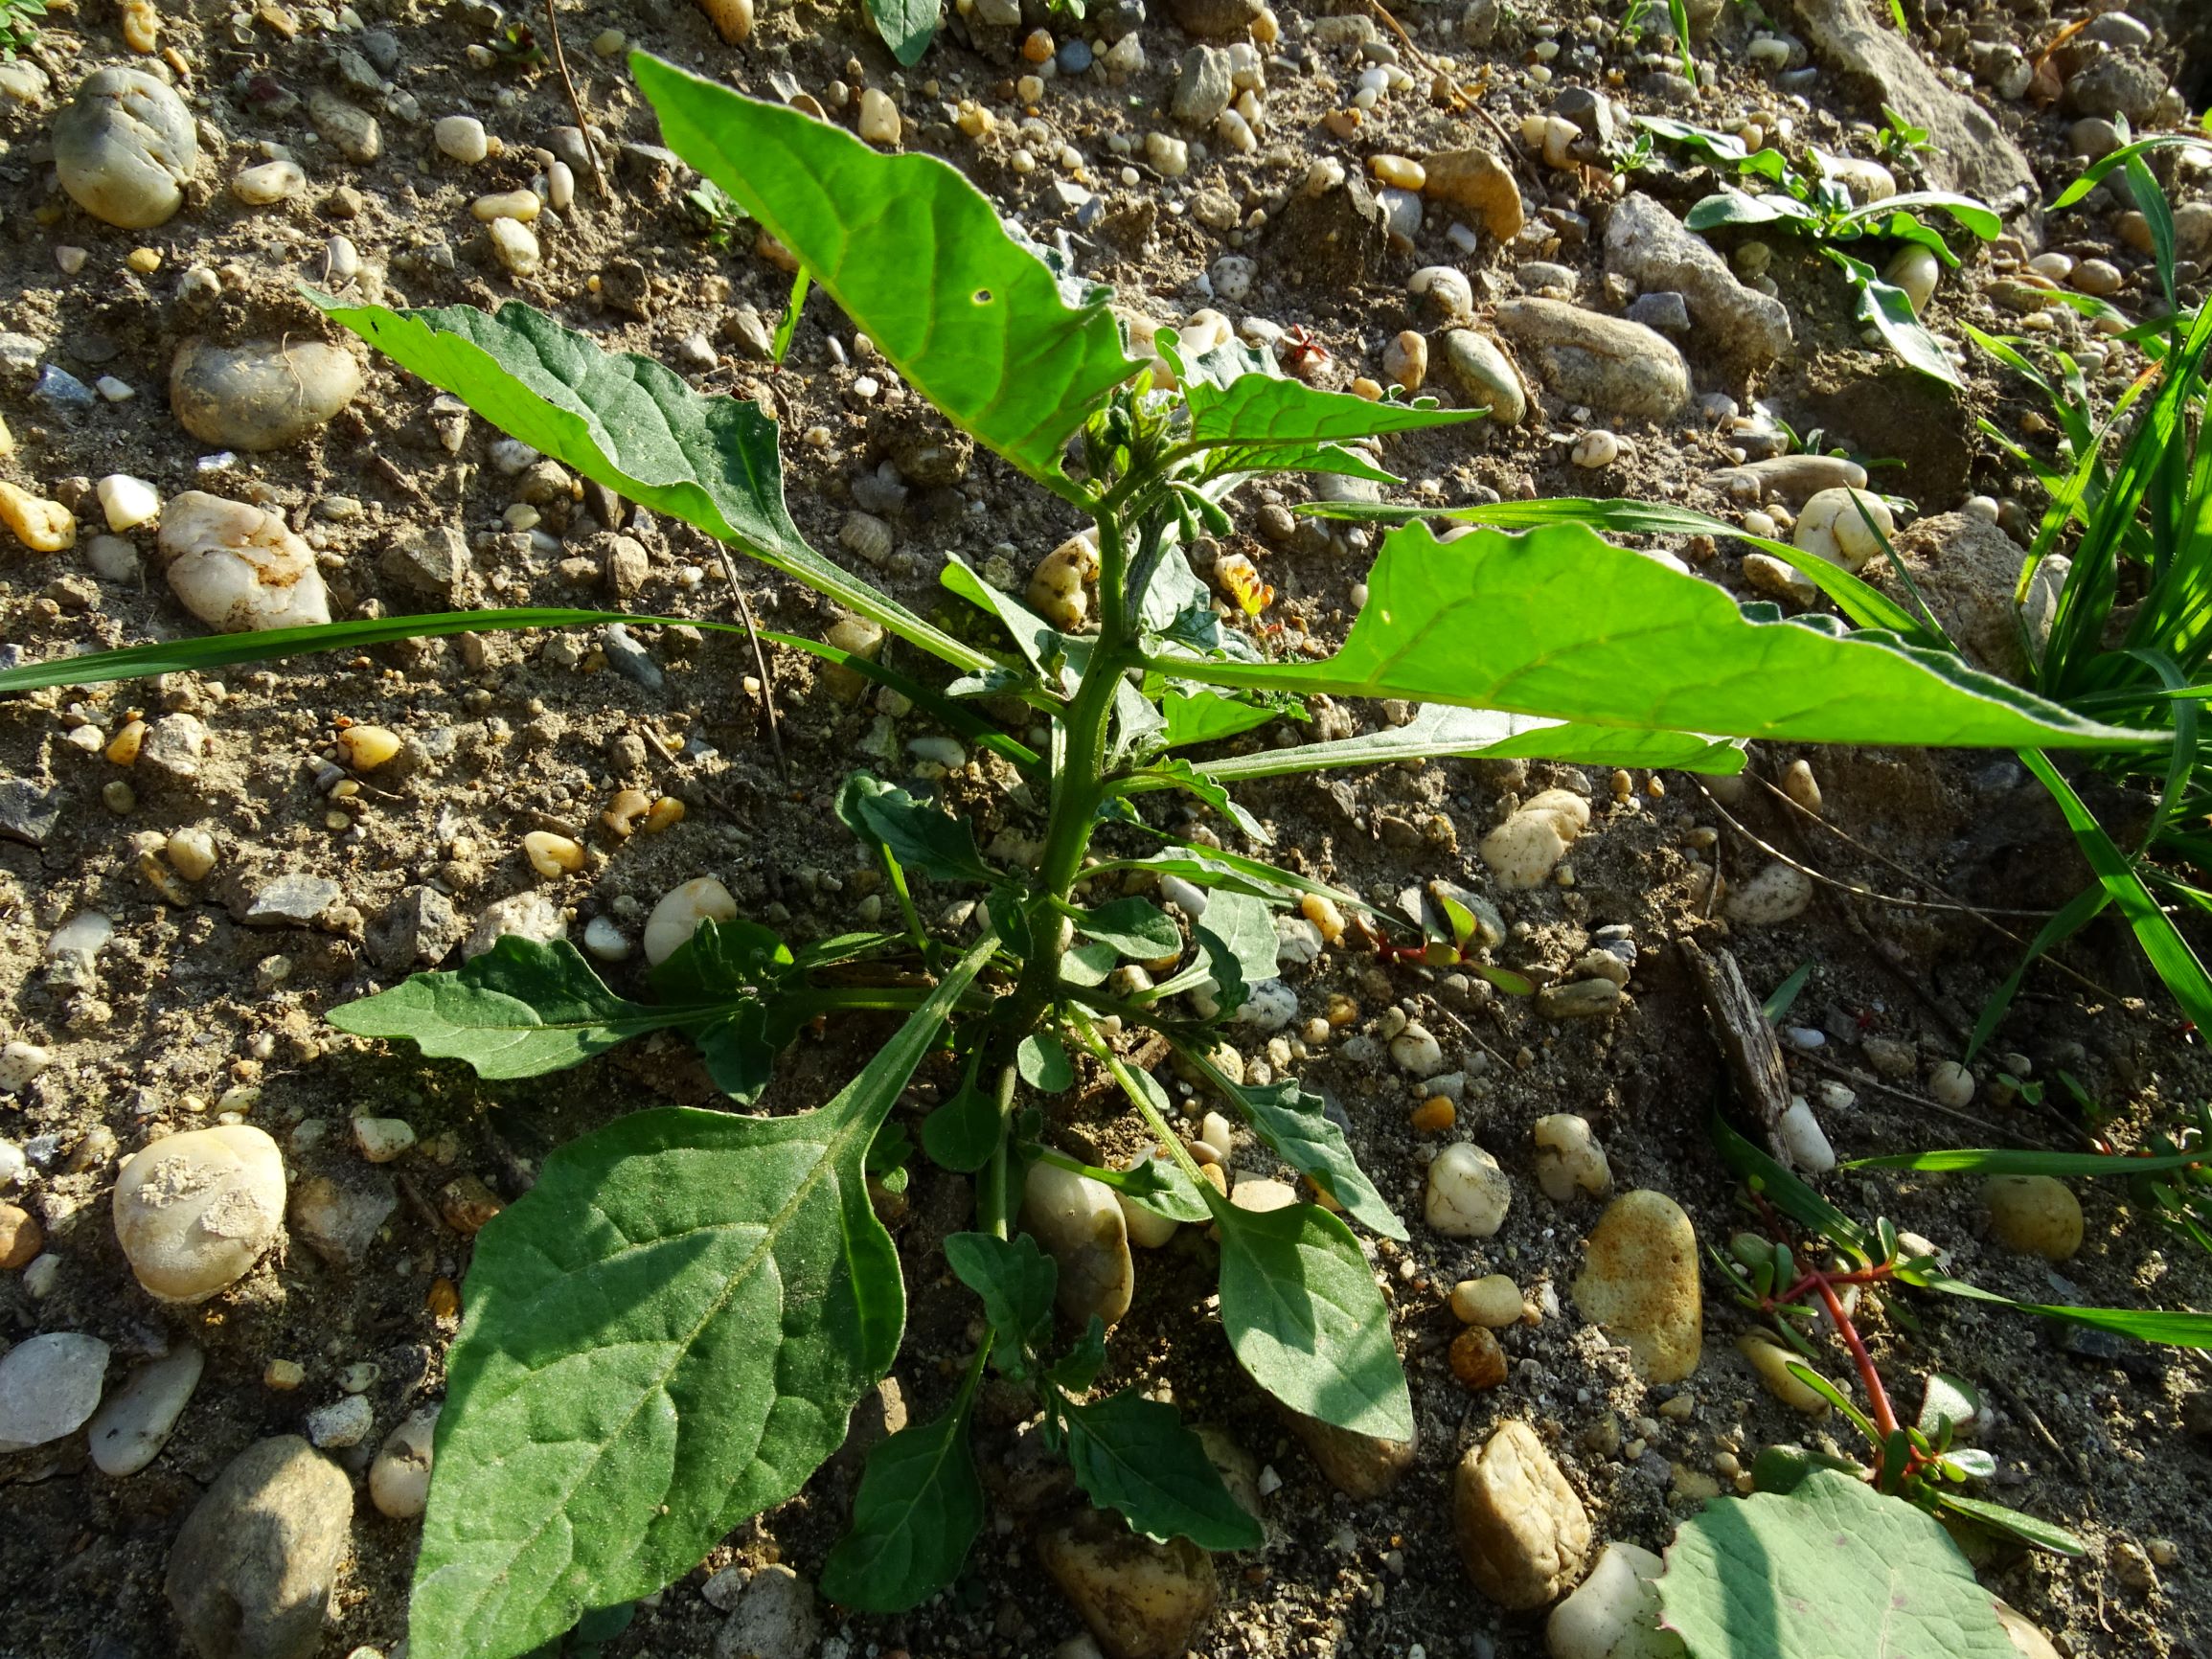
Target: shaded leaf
1015, 1281
916, 1513
1043, 1063
961, 1133
1136, 927
921, 836
906, 26
1134, 1455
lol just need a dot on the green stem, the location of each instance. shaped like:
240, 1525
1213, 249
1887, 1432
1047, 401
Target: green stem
1103, 1051
994, 1203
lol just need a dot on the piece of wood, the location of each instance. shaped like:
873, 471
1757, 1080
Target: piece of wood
1746, 1040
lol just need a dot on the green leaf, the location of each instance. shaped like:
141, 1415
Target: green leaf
664, 1336
906, 26
1089, 963
1304, 1319
1889, 309
1950, 1401
2026, 1528
1043, 1063
1788, 1194
1134, 1455
1158, 1184
728, 967
1832, 1570
2094, 174
2144, 1324
920, 836
970, 318
1177, 773
520, 1010
1079, 1367
1440, 732
2161, 942
1136, 927
1296, 1124
1209, 715
633, 425
1991, 1161
780, 347
961, 1133
1972, 215
1015, 1281
1261, 411
1560, 623
916, 1513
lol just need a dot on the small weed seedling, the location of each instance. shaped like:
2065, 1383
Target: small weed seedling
19, 22
1783, 196
668, 1332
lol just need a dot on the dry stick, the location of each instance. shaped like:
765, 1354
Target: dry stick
575, 101
1420, 58
759, 660
1981, 915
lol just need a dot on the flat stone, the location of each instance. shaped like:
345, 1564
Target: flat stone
194, 1212
1640, 1283
28, 811
337, 1216
1647, 244
260, 395
1478, 181
125, 148
48, 1385
251, 1570
432, 559
1605, 362
1487, 376
353, 131
1967, 150
1522, 1532
292, 901
137, 1420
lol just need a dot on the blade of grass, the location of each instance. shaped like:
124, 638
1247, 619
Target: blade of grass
2083, 909
1995, 1160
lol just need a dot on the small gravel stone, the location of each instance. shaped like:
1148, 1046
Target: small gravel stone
400, 1479
514, 245
137, 1419
1486, 374
2033, 1214
352, 130
1467, 1194
269, 182
48, 1385
775, 1619
1614, 1613
292, 901
1522, 852
1478, 182
1522, 1532
345, 1421
461, 138
260, 395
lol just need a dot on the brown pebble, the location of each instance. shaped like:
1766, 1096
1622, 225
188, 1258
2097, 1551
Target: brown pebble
21, 1238
443, 1300
468, 1204
1434, 1115
1476, 1359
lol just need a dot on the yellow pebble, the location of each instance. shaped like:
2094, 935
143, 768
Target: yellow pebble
285, 1374
1434, 1115
365, 748
623, 811
1397, 171
122, 748
42, 526
667, 813
513, 204
143, 260
1322, 912
550, 854
193, 853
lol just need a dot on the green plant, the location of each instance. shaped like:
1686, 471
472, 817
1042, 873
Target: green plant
1678, 19
907, 26
1786, 1285
1783, 197
666, 1334
19, 24
717, 214
1900, 141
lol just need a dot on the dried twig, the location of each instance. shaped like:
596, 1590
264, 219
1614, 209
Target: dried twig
575, 101
1436, 76
759, 660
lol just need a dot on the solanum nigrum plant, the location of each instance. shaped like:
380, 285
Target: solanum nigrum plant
668, 1332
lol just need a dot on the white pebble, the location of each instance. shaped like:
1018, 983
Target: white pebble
1804, 1139
1596, 448
605, 941
1568, 1158
1417, 1050
462, 138
380, 1140
400, 1479
137, 1420
1468, 1192
1778, 893
678, 914
48, 1385
128, 501
1951, 1084
515, 246
1830, 527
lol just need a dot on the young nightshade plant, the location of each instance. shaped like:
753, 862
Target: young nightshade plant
667, 1333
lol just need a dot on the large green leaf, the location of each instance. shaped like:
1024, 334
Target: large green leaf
919, 260
1263, 411
1831, 1570
633, 425
1561, 624
1304, 1319
664, 1336
1440, 732
1014, 1279
520, 1010
918, 1510
1134, 1455
920, 836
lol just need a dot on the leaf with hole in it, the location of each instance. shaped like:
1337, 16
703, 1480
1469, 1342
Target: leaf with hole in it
916, 1513
633, 425
520, 1010
1829, 1570
1304, 1319
1134, 1455
1560, 623
664, 1336
1295, 1122
921, 836
916, 258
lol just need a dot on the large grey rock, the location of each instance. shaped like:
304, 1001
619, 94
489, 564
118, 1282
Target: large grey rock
1967, 570
2116, 83
1648, 244
260, 394
1202, 86
250, 1572
125, 148
1613, 365
1967, 152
